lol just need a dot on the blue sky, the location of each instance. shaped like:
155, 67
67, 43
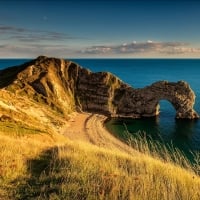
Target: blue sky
112, 28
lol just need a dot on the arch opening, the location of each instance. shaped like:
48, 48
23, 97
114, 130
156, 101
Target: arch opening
166, 108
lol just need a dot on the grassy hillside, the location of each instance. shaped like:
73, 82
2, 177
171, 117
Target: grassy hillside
41, 166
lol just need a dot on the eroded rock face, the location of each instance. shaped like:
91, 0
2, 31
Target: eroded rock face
66, 86
145, 102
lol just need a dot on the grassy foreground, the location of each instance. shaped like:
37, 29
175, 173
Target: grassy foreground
40, 166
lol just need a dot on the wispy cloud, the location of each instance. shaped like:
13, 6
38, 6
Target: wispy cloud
149, 47
10, 29
34, 50
28, 35
23, 42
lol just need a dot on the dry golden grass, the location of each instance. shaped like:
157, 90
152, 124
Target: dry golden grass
52, 167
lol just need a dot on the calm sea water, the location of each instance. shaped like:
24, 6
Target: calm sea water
184, 134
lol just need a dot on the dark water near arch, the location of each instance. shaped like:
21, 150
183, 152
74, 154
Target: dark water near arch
184, 134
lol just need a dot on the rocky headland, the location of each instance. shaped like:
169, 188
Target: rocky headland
65, 87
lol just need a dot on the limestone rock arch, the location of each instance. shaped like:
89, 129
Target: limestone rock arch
144, 102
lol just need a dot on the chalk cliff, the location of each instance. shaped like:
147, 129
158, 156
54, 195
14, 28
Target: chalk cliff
66, 87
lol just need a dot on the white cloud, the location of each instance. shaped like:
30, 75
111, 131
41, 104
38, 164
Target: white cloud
144, 48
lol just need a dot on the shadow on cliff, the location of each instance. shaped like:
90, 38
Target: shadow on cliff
9, 75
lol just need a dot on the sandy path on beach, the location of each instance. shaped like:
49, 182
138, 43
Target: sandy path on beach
76, 129
90, 128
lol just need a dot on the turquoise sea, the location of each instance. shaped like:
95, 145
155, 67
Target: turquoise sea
184, 134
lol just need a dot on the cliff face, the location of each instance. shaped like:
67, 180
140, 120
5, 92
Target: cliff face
65, 87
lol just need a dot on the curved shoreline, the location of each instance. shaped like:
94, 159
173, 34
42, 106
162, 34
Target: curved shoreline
90, 128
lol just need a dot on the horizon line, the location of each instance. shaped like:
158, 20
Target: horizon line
108, 58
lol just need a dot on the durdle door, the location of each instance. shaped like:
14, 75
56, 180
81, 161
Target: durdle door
145, 102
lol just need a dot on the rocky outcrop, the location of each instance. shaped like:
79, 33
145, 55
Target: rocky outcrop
65, 87
145, 102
